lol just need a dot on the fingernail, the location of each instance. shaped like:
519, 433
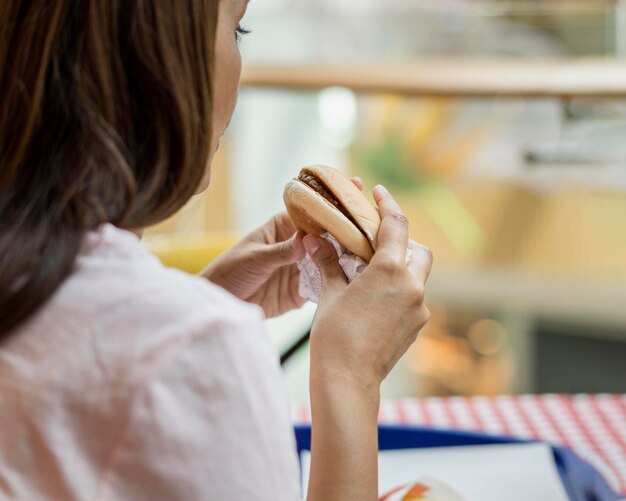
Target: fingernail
382, 189
311, 244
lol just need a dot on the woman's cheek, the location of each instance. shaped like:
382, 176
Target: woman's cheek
228, 73
234, 78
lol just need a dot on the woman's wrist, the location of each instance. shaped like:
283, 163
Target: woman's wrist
343, 396
346, 371
326, 381
344, 437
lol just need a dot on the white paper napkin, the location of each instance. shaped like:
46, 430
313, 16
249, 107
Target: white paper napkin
310, 286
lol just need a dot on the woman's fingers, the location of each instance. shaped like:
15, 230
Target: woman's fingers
393, 235
325, 258
358, 182
283, 253
393, 238
421, 262
283, 225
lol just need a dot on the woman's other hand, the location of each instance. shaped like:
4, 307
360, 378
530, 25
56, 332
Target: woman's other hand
261, 268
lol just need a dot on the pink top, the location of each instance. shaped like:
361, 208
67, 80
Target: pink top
137, 381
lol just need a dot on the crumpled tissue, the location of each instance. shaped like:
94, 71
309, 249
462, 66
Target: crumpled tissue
310, 286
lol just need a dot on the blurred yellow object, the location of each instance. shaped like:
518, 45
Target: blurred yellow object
444, 157
200, 231
189, 253
424, 120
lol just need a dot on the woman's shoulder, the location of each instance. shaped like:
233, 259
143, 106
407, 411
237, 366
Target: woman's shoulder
120, 298
122, 308
127, 279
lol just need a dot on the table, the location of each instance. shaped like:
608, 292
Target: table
594, 426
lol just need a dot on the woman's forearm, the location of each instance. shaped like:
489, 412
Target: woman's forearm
344, 441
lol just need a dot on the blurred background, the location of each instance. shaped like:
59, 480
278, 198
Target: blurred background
520, 195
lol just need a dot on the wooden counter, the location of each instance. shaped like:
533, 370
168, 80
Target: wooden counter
560, 78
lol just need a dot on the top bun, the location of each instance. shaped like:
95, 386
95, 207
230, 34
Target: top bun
323, 199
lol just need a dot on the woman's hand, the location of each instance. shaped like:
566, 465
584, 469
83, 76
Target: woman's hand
261, 268
359, 332
361, 329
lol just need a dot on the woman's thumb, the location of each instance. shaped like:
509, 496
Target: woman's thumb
325, 258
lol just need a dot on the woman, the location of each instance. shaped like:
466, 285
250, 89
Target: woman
122, 379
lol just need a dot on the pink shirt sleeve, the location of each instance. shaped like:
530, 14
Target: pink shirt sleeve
210, 421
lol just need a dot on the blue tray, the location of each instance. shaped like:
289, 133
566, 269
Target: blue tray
582, 482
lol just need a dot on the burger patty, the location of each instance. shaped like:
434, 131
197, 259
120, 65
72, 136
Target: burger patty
313, 183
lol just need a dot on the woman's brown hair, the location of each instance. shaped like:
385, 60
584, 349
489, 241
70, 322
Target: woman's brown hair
105, 116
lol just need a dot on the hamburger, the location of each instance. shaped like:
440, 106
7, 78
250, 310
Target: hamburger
322, 199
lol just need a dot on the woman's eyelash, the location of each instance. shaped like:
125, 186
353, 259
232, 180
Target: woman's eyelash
241, 31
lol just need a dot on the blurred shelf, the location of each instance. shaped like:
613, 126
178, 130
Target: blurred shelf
494, 7
560, 78
538, 297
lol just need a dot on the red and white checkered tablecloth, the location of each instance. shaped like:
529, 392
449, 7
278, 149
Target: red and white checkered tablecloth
594, 426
